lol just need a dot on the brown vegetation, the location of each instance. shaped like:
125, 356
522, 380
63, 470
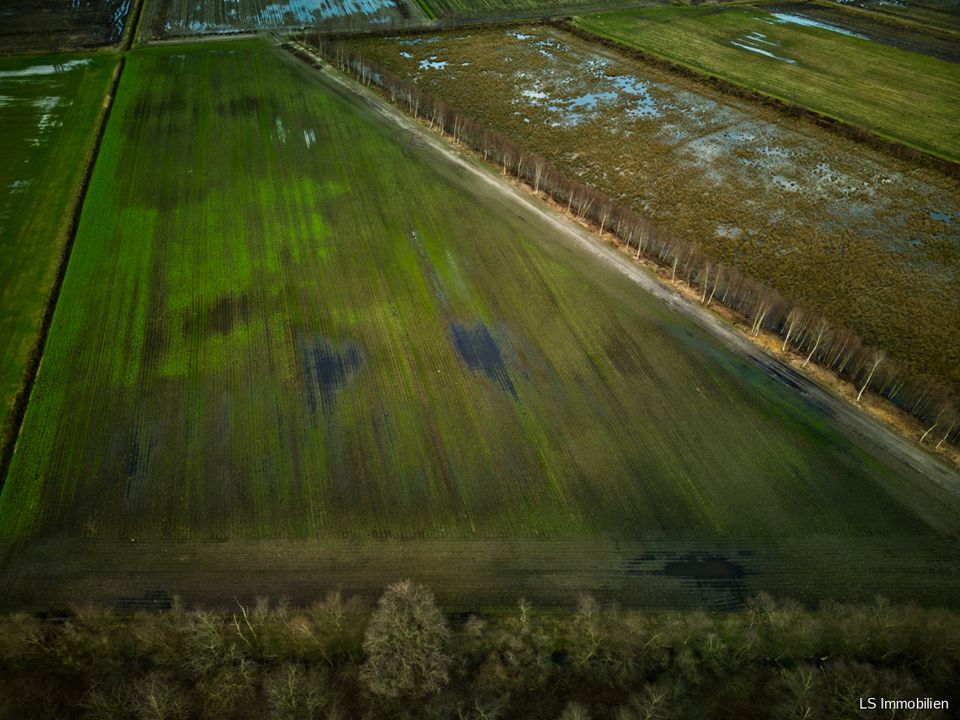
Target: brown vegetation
766, 660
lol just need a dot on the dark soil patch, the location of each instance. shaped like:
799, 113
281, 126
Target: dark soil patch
327, 367
480, 352
705, 568
219, 318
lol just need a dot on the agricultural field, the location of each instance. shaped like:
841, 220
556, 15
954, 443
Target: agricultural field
50, 107
901, 95
867, 241
295, 343
163, 18
48, 25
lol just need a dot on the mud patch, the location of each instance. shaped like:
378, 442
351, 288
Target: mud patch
480, 352
327, 367
716, 581
153, 598
703, 568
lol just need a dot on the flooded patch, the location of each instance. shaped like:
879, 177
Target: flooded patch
431, 63
731, 232
761, 51
327, 367
610, 91
480, 352
35, 70
810, 22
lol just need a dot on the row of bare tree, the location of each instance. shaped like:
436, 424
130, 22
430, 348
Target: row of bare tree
800, 330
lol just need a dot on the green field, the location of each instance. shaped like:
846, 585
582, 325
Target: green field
286, 317
49, 112
901, 95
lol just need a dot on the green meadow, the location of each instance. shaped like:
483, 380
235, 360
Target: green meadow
901, 95
287, 317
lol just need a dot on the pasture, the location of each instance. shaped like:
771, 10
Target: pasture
163, 18
867, 241
48, 25
50, 107
295, 345
901, 95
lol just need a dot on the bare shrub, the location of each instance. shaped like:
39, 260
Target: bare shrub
406, 644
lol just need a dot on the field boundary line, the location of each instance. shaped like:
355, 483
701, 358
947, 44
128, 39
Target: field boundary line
134, 30
873, 430
21, 400
897, 148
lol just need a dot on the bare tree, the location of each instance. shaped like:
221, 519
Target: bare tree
945, 435
793, 319
406, 644
932, 427
821, 328
877, 359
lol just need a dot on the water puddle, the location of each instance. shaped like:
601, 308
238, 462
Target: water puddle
327, 368
614, 91
432, 63
35, 70
731, 232
480, 352
761, 51
809, 22
759, 37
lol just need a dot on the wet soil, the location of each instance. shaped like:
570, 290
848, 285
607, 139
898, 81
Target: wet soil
41, 25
